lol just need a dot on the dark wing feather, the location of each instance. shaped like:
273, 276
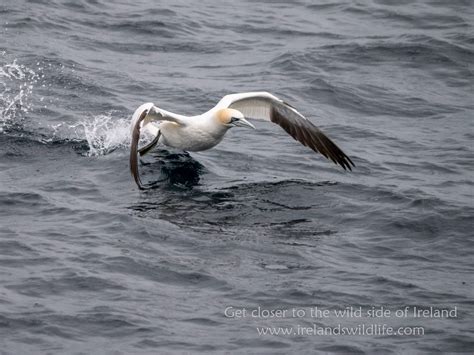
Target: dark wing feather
134, 148
308, 134
150, 146
264, 106
145, 114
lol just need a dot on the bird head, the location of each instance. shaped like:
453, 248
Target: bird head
229, 118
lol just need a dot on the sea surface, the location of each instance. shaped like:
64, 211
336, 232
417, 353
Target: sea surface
89, 264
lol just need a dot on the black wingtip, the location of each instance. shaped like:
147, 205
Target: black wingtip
149, 146
134, 150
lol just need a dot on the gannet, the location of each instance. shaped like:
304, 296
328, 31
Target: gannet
202, 132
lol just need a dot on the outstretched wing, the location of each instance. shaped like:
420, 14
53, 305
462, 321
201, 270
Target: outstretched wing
141, 118
267, 107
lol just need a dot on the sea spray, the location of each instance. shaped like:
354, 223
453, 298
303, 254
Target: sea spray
17, 82
103, 133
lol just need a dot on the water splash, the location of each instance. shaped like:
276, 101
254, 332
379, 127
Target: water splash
16, 86
103, 133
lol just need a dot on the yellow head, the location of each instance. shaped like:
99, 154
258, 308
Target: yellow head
230, 118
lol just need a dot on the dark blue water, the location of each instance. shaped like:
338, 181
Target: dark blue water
89, 264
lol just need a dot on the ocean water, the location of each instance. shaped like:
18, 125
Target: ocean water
91, 265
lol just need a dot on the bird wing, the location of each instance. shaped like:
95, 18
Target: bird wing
267, 107
144, 115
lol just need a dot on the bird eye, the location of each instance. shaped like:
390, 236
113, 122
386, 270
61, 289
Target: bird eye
233, 119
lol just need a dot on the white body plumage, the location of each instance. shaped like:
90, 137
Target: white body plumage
202, 132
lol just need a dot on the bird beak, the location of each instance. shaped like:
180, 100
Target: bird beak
242, 122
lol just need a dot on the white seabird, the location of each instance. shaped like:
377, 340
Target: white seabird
202, 132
